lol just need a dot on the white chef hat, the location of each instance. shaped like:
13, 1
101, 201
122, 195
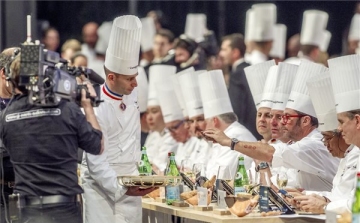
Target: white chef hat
214, 94
262, 19
314, 22
157, 72
326, 41
256, 77
299, 98
322, 97
143, 89
147, 34
345, 79
177, 89
103, 33
269, 88
169, 104
195, 26
249, 23
190, 89
122, 54
283, 82
279, 43
354, 32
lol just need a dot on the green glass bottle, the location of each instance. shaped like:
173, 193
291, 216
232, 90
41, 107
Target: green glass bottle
356, 203
241, 178
172, 192
145, 168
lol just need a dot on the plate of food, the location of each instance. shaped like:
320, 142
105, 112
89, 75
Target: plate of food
149, 181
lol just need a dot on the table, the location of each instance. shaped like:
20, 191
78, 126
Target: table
209, 216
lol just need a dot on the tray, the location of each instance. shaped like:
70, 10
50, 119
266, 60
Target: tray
149, 181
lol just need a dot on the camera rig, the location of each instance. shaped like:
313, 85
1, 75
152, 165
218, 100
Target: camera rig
49, 79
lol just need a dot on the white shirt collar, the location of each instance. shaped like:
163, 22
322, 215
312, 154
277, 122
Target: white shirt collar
236, 63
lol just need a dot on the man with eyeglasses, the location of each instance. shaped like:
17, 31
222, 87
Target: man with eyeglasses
321, 93
316, 167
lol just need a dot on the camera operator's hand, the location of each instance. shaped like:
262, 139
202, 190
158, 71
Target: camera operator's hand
85, 101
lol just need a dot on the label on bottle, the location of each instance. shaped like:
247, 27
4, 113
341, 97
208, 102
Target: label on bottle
172, 157
239, 190
355, 217
143, 151
264, 199
172, 193
241, 162
141, 163
238, 176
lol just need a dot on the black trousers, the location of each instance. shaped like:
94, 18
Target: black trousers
52, 213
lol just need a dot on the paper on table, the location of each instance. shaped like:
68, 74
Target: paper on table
221, 199
202, 196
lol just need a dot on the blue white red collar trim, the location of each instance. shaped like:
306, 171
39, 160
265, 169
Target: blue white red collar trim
111, 94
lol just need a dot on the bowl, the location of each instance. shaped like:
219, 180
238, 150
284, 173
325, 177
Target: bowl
241, 205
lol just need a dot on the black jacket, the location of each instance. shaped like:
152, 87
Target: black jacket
242, 100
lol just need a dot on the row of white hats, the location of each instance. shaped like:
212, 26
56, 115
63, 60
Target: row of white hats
181, 94
307, 88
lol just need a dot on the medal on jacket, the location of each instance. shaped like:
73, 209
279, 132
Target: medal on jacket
122, 106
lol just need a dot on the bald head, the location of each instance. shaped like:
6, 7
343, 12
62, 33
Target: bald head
293, 45
89, 33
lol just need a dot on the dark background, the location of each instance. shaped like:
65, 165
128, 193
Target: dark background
224, 17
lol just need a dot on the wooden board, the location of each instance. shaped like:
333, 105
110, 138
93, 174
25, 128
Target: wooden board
221, 212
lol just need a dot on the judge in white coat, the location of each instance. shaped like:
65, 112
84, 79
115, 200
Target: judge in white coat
308, 154
106, 200
312, 36
322, 96
259, 32
219, 114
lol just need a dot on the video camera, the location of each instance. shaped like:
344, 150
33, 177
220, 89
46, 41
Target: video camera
49, 79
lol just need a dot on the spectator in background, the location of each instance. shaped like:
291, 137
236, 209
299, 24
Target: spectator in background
78, 60
90, 37
51, 39
70, 47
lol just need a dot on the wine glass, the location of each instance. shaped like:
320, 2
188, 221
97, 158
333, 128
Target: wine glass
224, 173
186, 168
198, 169
282, 179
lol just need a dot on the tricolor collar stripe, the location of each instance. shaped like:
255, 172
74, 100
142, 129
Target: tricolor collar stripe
111, 94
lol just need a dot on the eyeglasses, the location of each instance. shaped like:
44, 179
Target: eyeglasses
286, 117
327, 138
190, 121
174, 128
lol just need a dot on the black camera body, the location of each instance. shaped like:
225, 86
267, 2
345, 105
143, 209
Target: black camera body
49, 79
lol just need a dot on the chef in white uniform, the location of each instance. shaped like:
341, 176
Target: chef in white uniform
259, 32
218, 113
308, 154
106, 200
322, 96
311, 36
174, 120
159, 142
262, 79
256, 77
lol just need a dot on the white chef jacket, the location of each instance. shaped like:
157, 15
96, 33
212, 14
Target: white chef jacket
297, 60
311, 158
256, 57
223, 156
105, 199
158, 145
193, 149
344, 182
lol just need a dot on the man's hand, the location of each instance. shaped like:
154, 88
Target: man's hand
137, 191
311, 203
218, 136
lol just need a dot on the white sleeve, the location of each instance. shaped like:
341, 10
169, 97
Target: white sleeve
305, 156
100, 170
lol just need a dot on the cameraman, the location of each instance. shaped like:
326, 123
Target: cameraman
42, 143
6, 180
